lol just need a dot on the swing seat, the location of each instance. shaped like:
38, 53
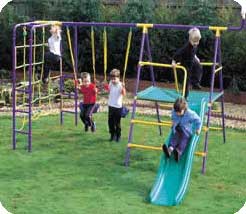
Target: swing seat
124, 111
95, 108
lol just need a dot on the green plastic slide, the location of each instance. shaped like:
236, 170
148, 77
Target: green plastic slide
172, 179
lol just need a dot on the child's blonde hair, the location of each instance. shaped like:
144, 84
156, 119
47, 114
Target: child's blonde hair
56, 28
180, 104
194, 34
115, 73
85, 75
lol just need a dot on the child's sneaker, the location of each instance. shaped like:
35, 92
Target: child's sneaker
93, 127
117, 139
177, 155
166, 150
112, 137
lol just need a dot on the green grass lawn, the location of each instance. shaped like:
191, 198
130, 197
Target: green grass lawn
70, 171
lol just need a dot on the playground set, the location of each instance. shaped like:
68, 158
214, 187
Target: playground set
172, 179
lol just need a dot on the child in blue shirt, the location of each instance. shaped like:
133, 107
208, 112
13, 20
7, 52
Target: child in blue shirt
184, 121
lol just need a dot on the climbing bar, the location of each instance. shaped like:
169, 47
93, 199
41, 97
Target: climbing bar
164, 123
25, 65
27, 46
208, 63
55, 77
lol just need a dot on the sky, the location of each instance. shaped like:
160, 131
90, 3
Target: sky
3, 3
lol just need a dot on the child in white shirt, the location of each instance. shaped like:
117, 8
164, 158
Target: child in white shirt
52, 57
116, 92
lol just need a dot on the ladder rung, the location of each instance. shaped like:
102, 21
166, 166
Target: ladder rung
22, 111
202, 154
21, 132
164, 123
131, 145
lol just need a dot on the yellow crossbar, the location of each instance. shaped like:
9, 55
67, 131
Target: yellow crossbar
218, 69
164, 123
160, 65
208, 63
131, 145
202, 154
158, 148
144, 25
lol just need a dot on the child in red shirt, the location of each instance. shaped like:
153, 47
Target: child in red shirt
89, 92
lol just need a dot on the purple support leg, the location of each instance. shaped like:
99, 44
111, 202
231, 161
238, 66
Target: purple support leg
210, 101
30, 91
13, 89
221, 90
153, 80
76, 70
61, 102
127, 157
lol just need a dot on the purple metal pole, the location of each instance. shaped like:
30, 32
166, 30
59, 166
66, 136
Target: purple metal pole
13, 88
30, 91
238, 28
179, 27
153, 79
61, 99
61, 87
100, 24
221, 90
76, 70
134, 105
210, 102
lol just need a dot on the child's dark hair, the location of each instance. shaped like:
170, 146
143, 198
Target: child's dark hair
180, 104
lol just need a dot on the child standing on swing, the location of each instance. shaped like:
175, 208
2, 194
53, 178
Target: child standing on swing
116, 91
89, 92
184, 121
